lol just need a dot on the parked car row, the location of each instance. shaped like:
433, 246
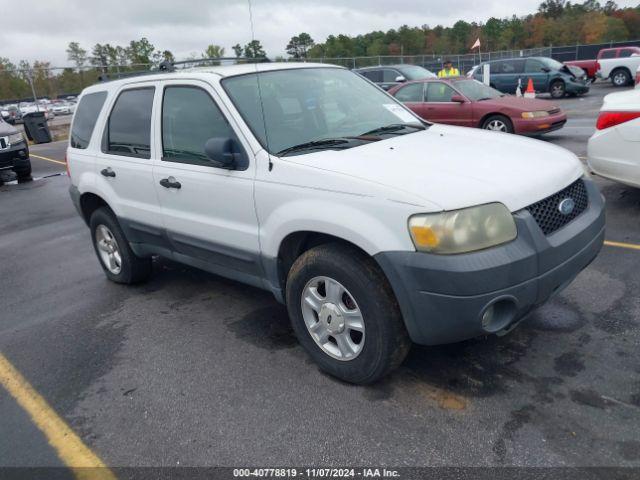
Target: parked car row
593, 66
617, 64
13, 113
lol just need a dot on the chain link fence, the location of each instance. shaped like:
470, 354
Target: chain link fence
59, 82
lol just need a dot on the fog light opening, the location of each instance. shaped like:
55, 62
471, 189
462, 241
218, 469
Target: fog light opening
498, 315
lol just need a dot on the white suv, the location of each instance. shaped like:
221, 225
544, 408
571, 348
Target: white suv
374, 228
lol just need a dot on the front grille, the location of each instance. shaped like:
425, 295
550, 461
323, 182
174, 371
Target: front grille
547, 212
4, 142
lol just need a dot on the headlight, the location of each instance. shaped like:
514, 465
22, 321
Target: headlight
15, 138
461, 231
532, 115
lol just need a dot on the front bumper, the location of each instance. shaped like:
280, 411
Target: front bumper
14, 156
577, 88
444, 298
539, 126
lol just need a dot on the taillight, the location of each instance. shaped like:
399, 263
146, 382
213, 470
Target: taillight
611, 119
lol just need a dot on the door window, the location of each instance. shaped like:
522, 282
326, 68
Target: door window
533, 66
190, 117
608, 54
626, 52
374, 75
128, 130
411, 93
389, 76
85, 120
439, 92
511, 66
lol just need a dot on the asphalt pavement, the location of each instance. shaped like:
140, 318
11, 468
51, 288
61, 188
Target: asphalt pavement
191, 369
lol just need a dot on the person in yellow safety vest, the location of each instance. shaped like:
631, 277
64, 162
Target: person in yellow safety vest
448, 70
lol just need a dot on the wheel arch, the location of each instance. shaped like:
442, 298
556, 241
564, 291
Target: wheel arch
495, 114
89, 203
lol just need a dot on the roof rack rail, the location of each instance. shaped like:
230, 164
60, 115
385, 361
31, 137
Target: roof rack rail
168, 66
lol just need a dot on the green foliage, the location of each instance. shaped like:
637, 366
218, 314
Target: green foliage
299, 45
213, 51
254, 49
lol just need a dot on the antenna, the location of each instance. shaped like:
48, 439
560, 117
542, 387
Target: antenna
264, 121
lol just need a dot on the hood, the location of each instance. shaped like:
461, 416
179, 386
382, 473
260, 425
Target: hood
522, 104
6, 129
457, 167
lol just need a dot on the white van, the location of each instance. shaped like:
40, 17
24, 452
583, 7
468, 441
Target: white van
375, 228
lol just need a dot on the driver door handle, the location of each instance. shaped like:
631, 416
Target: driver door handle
107, 172
170, 183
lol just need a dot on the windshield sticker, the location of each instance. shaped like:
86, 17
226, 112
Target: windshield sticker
400, 112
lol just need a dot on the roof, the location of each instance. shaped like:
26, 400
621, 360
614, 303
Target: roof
220, 71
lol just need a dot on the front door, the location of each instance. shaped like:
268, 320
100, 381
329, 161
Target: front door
439, 108
208, 211
535, 70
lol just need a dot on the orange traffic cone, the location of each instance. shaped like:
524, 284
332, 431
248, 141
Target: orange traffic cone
530, 93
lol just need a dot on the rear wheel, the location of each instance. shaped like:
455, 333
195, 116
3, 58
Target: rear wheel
345, 315
117, 259
557, 89
498, 123
620, 78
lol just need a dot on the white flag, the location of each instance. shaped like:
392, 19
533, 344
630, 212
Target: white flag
476, 45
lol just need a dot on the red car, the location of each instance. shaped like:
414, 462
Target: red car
469, 103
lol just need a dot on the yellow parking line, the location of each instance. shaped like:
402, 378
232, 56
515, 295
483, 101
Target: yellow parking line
47, 159
71, 450
631, 246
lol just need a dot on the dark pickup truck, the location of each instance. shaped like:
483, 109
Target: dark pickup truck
14, 152
592, 66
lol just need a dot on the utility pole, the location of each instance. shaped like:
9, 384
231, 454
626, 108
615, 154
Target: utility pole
33, 89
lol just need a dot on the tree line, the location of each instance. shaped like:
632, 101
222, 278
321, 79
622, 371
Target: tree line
556, 22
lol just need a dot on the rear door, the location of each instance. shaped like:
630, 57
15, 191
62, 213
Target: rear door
208, 211
413, 96
124, 163
389, 76
440, 109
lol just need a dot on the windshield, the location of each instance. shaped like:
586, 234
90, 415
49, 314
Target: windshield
474, 90
552, 64
415, 72
312, 104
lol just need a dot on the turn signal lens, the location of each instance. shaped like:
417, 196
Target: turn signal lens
462, 231
611, 119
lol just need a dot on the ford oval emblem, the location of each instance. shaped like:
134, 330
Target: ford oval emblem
567, 206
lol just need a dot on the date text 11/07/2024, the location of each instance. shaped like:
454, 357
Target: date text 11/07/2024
316, 473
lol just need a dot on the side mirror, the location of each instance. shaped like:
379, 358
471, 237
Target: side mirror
458, 99
400, 79
227, 153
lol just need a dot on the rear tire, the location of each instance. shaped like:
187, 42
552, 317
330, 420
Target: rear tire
118, 261
338, 297
557, 89
498, 123
620, 78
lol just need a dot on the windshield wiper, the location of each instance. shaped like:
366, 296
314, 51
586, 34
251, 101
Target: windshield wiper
394, 127
327, 142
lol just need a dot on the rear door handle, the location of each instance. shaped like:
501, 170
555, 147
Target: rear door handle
170, 183
107, 172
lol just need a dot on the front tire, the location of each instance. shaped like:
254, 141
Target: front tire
345, 314
498, 123
24, 172
118, 261
558, 89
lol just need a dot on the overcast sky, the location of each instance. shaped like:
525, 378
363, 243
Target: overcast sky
188, 26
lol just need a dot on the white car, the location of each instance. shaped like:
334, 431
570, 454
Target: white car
614, 150
373, 227
638, 77
66, 108
619, 70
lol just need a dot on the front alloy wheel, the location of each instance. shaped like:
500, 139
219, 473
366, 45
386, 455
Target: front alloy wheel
497, 126
333, 318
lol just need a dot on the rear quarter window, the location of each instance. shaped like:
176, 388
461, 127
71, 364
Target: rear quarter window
85, 119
